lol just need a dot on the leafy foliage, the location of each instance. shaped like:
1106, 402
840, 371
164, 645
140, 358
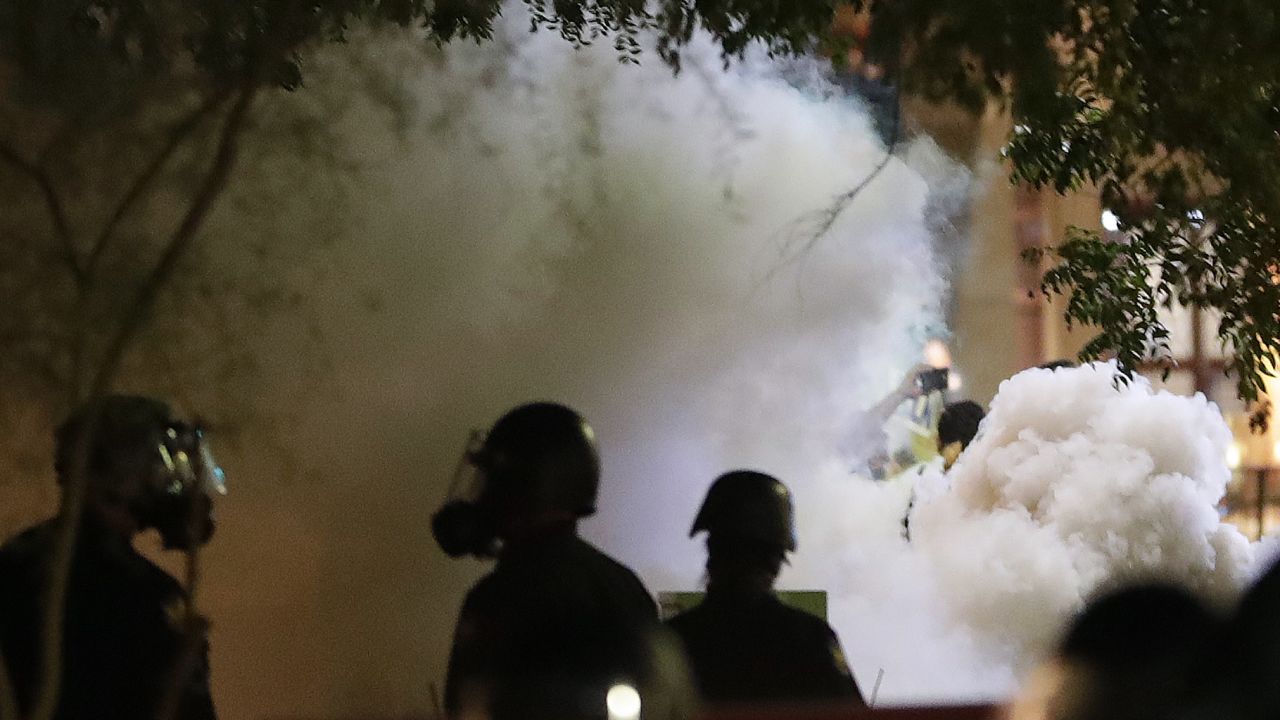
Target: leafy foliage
114, 113
1170, 108
77, 44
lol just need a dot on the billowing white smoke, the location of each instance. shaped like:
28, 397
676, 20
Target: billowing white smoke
556, 225
1072, 486
551, 224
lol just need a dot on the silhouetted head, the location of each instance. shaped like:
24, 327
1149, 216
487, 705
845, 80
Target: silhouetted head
540, 458
535, 474
1238, 678
750, 524
1132, 654
957, 426
142, 468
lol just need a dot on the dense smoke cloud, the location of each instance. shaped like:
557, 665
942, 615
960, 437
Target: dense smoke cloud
1074, 486
547, 223
552, 224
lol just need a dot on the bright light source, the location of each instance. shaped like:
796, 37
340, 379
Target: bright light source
954, 382
1110, 222
1234, 455
623, 702
937, 354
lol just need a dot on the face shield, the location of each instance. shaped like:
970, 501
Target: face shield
190, 478
465, 524
189, 463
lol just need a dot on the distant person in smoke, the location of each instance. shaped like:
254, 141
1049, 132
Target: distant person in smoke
743, 644
925, 387
131, 650
1131, 655
556, 623
957, 427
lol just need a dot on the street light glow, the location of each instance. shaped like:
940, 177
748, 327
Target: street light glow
623, 702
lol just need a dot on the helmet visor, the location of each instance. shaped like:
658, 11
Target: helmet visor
189, 462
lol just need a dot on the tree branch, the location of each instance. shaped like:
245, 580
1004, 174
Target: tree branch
58, 580
52, 201
75, 489
800, 242
177, 135
181, 239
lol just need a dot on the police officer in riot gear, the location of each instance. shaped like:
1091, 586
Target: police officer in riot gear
129, 647
743, 644
557, 623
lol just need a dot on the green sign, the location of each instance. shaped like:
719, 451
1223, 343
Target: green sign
813, 602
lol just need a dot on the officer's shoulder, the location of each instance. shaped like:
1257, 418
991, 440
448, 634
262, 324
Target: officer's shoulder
626, 576
497, 591
26, 547
686, 619
800, 619
616, 567
596, 554
151, 578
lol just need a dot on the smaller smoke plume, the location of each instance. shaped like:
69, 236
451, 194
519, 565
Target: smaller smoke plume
1075, 485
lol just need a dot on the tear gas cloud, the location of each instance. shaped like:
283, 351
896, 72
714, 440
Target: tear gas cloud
549, 224
1074, 486
558, 225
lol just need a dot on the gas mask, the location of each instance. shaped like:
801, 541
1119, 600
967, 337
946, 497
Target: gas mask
466, 524
181, 507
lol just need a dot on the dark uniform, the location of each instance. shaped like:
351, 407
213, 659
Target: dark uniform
743, 645
122, 632
546, 629
758, 650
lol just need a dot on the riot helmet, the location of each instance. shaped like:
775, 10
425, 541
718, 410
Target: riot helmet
537, 459
138, 456
751, 506
543, 457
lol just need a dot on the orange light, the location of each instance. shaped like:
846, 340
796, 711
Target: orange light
937, 354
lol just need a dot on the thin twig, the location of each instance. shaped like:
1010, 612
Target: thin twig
52, 200
437, 707
89, 280
74, 493
182, 238
76, 489
177, 135
824, 219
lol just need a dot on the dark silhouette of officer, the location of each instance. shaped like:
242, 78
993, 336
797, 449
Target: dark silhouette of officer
128, 648
557, 623
743, 644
